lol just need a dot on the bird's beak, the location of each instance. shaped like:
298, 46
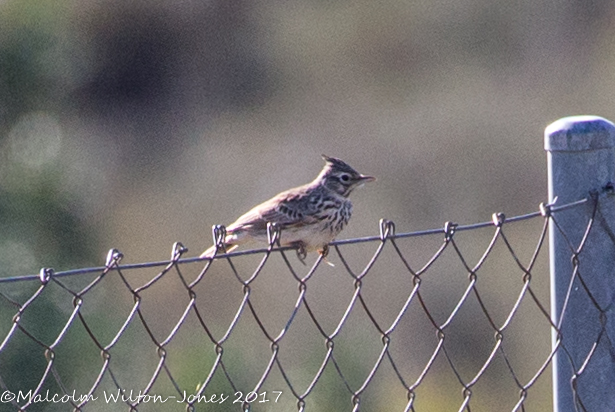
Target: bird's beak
365, 179
362, 180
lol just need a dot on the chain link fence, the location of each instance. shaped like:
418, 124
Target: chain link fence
451, 319
454, 318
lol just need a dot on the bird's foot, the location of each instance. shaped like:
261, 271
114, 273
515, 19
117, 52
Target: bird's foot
324, 253
301, 251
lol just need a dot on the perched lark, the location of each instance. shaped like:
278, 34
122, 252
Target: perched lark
309, 216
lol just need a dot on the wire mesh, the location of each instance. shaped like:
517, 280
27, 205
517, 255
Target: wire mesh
454, 318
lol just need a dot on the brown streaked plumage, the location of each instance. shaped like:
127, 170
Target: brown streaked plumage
309, 216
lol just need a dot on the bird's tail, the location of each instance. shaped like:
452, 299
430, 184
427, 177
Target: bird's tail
209, 253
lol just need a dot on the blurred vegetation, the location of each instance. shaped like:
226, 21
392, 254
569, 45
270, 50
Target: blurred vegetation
136, 124
39, 223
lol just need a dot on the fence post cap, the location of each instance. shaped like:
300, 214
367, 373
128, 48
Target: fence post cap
579, 133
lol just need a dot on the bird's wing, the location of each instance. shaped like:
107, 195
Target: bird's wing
288, 209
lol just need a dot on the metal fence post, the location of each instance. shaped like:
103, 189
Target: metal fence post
581, 159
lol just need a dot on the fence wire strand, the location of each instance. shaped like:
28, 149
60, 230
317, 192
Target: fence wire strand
19, 317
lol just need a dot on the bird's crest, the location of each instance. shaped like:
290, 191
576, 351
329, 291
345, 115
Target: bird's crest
338, 164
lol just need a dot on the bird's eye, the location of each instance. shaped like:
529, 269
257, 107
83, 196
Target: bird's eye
345, 178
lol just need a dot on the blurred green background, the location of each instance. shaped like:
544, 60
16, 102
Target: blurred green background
133, 125
148, 122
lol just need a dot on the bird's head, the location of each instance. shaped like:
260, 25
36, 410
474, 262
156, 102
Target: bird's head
339, 177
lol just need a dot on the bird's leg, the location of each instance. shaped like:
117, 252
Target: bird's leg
301, 250
324, 252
